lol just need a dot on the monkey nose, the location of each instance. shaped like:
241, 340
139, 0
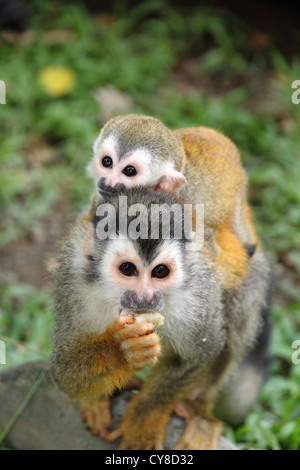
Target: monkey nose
114, 185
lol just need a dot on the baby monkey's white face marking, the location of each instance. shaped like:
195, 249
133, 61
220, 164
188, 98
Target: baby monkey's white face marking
131, 169
135, 168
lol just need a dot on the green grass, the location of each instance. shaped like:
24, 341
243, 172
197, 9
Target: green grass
243, 92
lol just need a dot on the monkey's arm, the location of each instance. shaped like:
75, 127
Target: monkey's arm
94, 365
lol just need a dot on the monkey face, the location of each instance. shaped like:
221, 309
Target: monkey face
147, 273
130, 169
136, 151
140, 284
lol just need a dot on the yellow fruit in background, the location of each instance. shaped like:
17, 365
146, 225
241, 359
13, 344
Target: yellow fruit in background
57, 81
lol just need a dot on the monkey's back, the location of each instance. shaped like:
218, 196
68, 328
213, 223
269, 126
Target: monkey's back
214, 173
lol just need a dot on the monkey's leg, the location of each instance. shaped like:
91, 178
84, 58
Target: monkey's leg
202, 430
96, 413
142, 429
149, 412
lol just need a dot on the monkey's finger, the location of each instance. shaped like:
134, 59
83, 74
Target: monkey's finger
200, 434
188, 437
103, 418
144, 345
88, 415
141, 342
135, 357
139, 329
115, 434
138, 361
121, 321
134, 331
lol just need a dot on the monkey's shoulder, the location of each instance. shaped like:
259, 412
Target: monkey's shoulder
204, 144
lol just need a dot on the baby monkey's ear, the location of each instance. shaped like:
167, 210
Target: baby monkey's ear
172, 182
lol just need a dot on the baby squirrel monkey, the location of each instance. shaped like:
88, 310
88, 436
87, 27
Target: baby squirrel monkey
209, 334
200, 164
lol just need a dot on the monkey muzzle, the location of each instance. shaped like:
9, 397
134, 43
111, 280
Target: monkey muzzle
107, 191
131, 301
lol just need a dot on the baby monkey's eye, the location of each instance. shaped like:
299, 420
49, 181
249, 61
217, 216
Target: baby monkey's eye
107, 162
128, 269
160, 271
129, 171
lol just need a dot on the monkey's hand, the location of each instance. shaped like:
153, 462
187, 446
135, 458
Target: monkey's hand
142, 428
93, 365
202, 430
138, 344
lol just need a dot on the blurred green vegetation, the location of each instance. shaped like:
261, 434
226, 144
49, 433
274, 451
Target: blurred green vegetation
204, 67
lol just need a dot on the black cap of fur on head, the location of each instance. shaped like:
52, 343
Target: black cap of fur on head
145, 216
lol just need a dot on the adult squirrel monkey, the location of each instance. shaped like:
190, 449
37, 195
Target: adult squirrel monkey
199, 164
210, 337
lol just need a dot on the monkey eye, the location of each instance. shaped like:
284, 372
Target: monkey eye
128, 269
129, 171
160, 271
107, 162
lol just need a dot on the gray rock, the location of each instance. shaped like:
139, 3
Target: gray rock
51, 421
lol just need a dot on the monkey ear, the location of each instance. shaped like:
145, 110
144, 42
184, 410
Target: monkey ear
171, 182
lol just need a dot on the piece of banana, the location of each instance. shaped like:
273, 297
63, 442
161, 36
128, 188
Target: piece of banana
155, 318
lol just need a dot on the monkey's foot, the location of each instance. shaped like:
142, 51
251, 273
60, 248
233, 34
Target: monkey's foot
202, 430
140, 430
97, 416
97, 413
